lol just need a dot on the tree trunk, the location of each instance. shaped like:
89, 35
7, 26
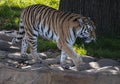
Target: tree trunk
104, 13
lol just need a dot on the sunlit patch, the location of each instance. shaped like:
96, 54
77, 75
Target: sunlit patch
16, 54
14, 47
10, 43
94, 65
43, 54
26, 67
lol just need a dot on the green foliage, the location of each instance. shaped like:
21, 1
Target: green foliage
44, 45
24, 3
10, 11
81, 51
103, 47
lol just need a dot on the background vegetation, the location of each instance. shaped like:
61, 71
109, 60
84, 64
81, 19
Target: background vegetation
10, 11
108, 47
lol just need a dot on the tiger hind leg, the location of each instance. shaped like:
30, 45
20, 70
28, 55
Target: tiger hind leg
32, 41
24, 47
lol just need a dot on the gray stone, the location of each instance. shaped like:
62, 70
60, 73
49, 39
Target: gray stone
7, 46
5, 37
15, 70
94, 65
88, 59
55, 76
3, 54
107, 62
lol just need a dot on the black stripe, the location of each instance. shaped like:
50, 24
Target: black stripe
48, 31
82, 29
52, 36
21, 33
53, 21
40, 14
46, 11
19, 38
66, 16
46, 34
42, 26
33, 16
22, 27
57, 17
35, 28
50, 16
34, 44
27, 16
74, 32
72, 16
36, 35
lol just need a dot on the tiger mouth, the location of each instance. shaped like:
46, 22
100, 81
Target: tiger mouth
88, 40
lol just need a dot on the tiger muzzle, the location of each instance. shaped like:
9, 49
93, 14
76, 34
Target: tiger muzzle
90, 39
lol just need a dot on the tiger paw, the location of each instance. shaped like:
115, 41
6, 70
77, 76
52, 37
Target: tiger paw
25, 55
65, 66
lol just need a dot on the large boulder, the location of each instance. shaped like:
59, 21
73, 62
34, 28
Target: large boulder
17, 70
47, 76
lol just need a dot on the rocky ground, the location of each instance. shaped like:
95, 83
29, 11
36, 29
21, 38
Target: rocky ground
17, 70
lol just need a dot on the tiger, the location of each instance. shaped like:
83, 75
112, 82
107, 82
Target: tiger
62, 27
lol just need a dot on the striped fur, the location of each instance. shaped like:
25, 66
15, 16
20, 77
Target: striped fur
63, 27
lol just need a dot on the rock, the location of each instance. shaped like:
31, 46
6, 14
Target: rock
107, 62
109, 69
55, 76
88, 59
5, 37
10, 33
51, 61
15, 70
6, 46
84, 66
94, 65
57, 68
5, 42
3, 54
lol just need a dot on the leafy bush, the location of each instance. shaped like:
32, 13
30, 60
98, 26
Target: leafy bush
104, 47
10, 11
24, 3
81, 51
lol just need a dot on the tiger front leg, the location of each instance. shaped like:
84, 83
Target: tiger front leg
63, 60
71, 53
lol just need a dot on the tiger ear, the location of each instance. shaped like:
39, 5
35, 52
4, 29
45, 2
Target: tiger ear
89, 18
81, 21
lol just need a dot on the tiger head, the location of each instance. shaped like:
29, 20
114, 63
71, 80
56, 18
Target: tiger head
86, 30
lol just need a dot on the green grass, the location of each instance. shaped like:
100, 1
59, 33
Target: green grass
44, 45
103, 48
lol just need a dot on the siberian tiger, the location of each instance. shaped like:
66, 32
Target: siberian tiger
63, 27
